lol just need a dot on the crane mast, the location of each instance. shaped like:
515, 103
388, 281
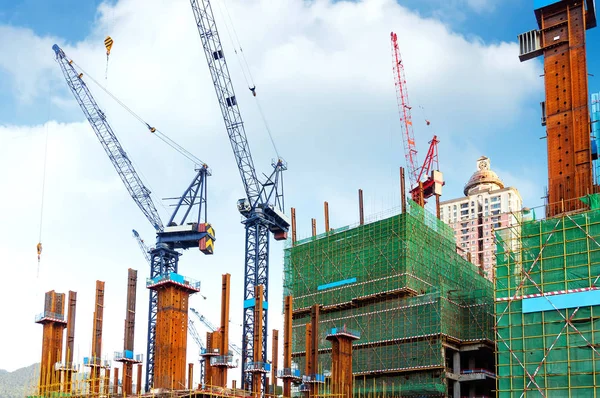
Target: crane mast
263, 205
164, 258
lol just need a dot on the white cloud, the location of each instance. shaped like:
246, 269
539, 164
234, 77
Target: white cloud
324, 77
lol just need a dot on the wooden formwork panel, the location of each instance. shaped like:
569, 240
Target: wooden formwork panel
567, 118
341, 364
52, 342
171, 338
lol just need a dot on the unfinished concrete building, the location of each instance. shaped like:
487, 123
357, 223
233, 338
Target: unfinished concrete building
424, 314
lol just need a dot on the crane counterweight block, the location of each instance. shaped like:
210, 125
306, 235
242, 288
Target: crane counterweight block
207, 244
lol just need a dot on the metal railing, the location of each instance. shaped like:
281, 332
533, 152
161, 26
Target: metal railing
344, 330
289, 372
314, 378
222, 360
48, 314
261, 366
172, 276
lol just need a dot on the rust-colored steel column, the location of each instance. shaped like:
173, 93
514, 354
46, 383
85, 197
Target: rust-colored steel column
437, 206
420, 196
115, 389
308, 363
171, 330
95, 360
287, 346
190, 376
127, 358
314, 226
70, 341
106, 381
222, 361
209, 353
257, 375
402, 190
361, 210
293, 226
314, 345
53, 321
216, 344
326, 211
562, 28
274, 358
341, 361
138, 383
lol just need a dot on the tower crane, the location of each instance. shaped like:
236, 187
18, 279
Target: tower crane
263, 206
190, 232
432, 186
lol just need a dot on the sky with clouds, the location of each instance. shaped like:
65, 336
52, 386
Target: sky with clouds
323, 74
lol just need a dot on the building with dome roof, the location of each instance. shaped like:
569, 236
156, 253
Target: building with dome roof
487, 205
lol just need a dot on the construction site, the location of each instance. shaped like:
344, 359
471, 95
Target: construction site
390, 306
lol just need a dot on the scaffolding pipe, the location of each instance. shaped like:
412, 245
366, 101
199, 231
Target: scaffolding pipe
326, 211
361, 210
293, 226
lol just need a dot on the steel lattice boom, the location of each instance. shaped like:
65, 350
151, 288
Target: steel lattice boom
117, 155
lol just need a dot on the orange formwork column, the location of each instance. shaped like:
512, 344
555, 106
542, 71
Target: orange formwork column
95, 362
69, 368
223, 360
53, 321
561, 41
341, 360
288, 374
567, 113
171, 329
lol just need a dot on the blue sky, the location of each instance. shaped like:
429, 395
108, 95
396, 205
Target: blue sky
323, 74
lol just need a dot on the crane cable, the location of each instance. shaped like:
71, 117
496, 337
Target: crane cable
153, 130
39, 245
245, 70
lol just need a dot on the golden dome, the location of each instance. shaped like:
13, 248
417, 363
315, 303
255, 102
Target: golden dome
483, 179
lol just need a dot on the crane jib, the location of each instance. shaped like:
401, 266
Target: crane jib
117, 155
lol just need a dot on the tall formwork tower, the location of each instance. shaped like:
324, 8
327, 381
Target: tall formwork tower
173, 291
565, 111
53, 320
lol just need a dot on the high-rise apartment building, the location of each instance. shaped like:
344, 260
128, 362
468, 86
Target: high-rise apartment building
486, 206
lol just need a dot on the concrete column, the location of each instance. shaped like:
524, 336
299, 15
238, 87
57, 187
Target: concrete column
456, 371
456, 363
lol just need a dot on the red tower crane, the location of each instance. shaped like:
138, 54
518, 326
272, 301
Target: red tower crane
432, 186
